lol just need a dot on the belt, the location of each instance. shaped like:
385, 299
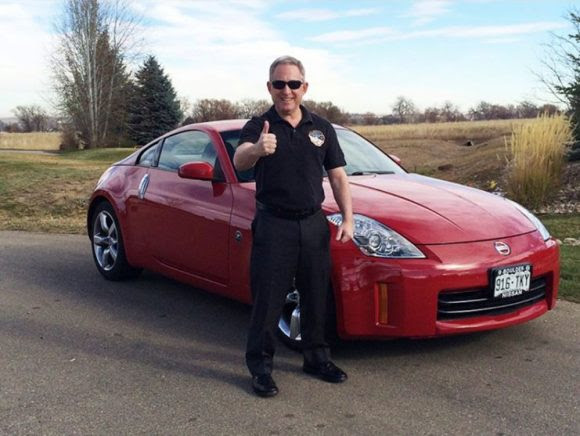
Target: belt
290, 214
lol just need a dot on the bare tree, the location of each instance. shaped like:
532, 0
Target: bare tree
432, 114
562, 59
12, 128
370, 119
211, 109
88, 67
185, 105
404, 109
32, 118
562, 78
450, 112
550, 109
489, 111
328, 110
249, 108
527, 109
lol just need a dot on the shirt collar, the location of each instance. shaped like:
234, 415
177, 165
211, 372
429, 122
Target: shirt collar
275, 117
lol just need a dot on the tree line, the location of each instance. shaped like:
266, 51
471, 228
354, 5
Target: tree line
404, 111
101, 103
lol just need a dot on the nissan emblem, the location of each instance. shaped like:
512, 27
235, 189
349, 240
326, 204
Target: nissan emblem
502, 248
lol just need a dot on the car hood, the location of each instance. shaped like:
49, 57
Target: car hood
432, 211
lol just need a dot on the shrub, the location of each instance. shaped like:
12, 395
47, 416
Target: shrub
69, 138
536, 156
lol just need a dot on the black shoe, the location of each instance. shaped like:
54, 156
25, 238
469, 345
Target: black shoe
326, 371
264, 385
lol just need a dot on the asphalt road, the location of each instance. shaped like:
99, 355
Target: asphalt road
79, 355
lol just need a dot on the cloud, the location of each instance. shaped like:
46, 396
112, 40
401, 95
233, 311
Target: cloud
213, 51
24, 74
368, 34
323, 14
494, 31
425, 11
379, 34
219, 49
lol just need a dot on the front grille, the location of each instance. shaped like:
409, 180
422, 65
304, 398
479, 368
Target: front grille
477, 302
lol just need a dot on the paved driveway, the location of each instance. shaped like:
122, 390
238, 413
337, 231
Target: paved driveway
82, 355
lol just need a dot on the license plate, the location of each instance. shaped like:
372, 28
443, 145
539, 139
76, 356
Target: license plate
510, 281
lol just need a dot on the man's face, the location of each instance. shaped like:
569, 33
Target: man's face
287, 101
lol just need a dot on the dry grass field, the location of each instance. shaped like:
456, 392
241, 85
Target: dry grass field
537, 153
440, 150
473, 130
30, 141
49, 192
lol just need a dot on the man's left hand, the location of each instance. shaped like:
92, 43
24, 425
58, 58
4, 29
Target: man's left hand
345, 232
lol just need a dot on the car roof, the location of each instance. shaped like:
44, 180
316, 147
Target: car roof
221, 125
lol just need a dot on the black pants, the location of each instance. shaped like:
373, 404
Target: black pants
284, 252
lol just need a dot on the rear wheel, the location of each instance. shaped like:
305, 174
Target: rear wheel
107, 244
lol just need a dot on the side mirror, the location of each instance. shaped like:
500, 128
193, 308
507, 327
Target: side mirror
396, 159
196, 171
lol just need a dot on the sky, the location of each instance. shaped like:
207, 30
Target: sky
361, 55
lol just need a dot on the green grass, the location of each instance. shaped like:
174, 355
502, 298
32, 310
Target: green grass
570, 273
106, 155
49, 193
562, 226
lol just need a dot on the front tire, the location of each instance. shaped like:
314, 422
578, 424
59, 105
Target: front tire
289, 323
107, 245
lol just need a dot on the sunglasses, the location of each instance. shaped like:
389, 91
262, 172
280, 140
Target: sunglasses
292, 84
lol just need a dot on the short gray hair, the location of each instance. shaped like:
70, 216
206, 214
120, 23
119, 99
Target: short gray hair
287, 60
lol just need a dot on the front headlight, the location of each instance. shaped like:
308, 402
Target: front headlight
376, 239
533, 219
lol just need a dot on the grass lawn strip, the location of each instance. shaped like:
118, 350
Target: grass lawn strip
49, 193
570, 273
44, 193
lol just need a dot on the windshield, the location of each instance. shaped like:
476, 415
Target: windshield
362, 157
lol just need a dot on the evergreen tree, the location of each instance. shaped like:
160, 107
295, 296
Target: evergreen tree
571, 90
153, 108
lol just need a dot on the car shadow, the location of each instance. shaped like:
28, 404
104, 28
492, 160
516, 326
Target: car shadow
405, 346
155, 321
168, 325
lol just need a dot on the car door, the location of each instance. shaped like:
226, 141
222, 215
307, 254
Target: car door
136, 220
187, 221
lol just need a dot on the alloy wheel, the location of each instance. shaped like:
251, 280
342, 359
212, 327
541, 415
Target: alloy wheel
289, 324
105, 240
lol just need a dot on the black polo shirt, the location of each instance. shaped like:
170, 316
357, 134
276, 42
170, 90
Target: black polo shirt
291, 177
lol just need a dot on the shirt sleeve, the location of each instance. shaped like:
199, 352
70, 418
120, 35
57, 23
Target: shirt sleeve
334, 157
251, 131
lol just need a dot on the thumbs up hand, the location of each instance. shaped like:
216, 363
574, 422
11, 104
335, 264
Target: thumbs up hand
266, 145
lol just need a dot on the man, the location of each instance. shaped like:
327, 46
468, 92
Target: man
289, 147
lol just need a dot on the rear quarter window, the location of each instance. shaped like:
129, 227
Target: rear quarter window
149, 157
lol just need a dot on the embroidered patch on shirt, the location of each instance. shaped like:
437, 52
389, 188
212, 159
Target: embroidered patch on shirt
316, 137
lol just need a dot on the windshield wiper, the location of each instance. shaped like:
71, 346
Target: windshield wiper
364, 173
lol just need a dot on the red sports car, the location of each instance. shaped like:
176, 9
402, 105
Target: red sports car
429, 257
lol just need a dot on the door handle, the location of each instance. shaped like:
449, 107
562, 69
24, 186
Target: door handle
143, 186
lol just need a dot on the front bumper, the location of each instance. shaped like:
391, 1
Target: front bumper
387, 298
